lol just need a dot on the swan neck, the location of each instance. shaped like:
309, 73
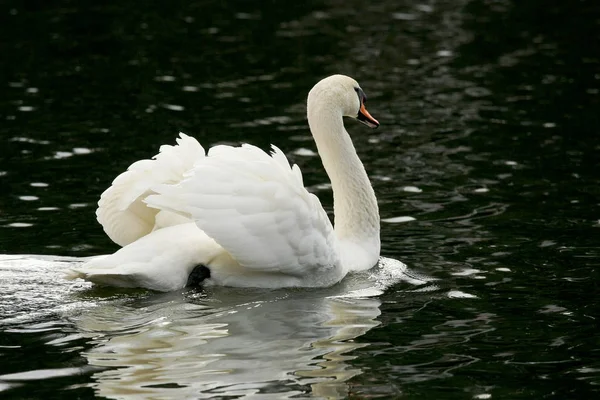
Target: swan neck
355, 205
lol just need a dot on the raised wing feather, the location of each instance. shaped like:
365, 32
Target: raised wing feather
256, 207
121, 210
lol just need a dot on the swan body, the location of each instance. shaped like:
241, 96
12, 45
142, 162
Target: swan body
242, 213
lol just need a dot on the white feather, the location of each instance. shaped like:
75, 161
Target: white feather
121, 210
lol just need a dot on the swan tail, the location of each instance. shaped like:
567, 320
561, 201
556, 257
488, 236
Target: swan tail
161, 260
107, 277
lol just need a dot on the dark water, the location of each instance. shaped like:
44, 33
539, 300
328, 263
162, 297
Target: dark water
490, 118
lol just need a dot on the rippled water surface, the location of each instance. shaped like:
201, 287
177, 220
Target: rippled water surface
485, 166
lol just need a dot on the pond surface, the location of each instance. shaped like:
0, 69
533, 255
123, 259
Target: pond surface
489, 141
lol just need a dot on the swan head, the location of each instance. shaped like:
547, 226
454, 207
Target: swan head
340, 92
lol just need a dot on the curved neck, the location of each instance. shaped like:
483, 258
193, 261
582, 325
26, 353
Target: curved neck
354, 202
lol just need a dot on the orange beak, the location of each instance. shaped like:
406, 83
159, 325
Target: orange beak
366, 118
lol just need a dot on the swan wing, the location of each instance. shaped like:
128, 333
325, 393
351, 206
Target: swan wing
255, 206
121, 210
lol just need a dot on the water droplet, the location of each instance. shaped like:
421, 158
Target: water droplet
20, 225
547, 243
28, 198
457, 294
424, 8
477, 91
466, 272
36, 375
62, 154
481, 190
243, 15
412, 189
165, 78
395, 220
190, 88
173, 107
552, 308
38, 184
78, 205
444, 53
405, 16
320, 15
26, 108
320, 186
304, 152
81, 150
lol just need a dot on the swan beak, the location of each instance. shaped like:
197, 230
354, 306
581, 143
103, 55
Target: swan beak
366, 118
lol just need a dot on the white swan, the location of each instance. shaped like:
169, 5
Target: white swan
238, 216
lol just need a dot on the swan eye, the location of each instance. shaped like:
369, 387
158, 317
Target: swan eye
362, 97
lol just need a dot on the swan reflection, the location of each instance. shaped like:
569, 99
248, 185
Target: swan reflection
184, 347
